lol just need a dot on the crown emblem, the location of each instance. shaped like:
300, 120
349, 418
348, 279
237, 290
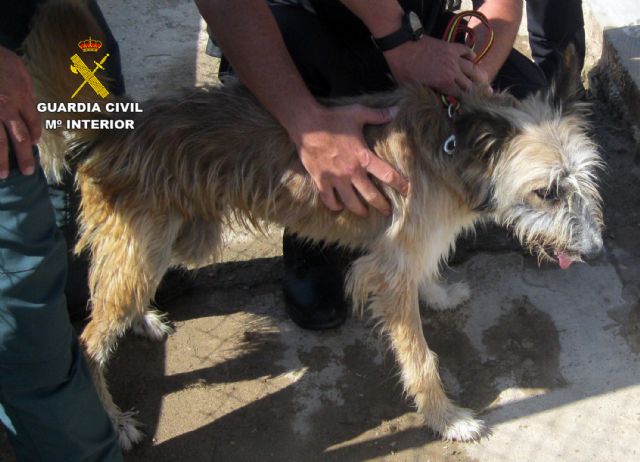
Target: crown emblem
90, 45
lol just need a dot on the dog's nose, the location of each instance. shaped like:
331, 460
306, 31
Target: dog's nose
593, 252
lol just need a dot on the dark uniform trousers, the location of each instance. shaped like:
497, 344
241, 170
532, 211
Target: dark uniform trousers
48, 403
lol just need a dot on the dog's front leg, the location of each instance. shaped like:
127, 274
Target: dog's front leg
392, 297
419, 367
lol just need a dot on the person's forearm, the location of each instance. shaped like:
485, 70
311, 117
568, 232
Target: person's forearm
382, 17
329, 141
504, 17
249, 36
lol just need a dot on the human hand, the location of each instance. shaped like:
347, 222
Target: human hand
19, 120
443, 66
332, 149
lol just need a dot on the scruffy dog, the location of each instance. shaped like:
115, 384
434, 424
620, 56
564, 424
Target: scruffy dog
159, 195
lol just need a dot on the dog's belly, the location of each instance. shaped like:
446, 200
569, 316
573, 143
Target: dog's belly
344, 229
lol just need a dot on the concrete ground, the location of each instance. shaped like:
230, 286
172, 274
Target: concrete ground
549, 358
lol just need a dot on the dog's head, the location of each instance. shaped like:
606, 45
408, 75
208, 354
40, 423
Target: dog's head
532, 167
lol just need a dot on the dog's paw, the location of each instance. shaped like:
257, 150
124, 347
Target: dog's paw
462, 426
446, 297
152, 325
457, 294
127, 430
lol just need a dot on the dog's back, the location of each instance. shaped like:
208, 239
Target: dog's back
201, 154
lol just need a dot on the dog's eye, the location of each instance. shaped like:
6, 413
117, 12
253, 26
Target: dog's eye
549, 195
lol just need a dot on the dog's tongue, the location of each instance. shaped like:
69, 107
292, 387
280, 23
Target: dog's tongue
564, 261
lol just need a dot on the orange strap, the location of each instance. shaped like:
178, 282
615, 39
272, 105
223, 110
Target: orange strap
457, 28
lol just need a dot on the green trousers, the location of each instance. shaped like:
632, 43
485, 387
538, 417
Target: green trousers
48, 402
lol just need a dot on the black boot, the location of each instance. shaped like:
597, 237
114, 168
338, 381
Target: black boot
313, 283
66, 202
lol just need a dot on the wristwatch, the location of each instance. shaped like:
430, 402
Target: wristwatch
411, 29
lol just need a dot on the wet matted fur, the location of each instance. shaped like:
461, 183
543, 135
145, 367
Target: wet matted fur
159, 195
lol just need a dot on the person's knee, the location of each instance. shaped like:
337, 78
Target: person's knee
520, 76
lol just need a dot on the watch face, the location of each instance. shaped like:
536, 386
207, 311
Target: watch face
416, 25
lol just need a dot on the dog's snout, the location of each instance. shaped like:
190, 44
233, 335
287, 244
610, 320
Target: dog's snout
593, 251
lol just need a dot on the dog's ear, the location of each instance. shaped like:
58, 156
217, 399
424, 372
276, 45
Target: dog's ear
480, 137
481, 133
566, 90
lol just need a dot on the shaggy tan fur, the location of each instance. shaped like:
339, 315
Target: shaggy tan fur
159, 195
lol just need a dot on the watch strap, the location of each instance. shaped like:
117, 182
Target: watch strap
404, 34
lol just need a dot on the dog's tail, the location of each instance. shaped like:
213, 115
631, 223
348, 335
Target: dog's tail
53, 55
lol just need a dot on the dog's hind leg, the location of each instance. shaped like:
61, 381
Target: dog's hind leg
99, 339
127, 428
394, 300
198, 244
442, 296
128, 262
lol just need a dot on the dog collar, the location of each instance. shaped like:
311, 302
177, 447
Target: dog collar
449, 145
457, 29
